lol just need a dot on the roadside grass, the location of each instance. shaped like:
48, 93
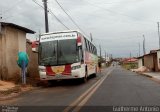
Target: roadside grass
129, 66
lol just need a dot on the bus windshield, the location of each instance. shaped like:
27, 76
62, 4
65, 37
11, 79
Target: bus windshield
58, 52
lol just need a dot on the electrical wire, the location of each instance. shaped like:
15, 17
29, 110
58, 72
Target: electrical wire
127, 1
58, 19
50, 11
70, 17
108, 10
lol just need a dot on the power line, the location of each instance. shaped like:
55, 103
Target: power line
69, 17
58, 19
123, 2
50, 11
38, 4
108, 10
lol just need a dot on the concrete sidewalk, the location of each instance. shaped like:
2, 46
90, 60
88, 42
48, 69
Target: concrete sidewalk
155, 75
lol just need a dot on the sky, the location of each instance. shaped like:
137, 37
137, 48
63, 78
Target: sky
117, 25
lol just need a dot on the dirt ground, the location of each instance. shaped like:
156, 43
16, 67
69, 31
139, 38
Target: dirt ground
4, 86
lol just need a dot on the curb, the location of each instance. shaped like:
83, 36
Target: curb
151, 77
146, 75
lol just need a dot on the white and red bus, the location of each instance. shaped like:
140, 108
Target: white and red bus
66, 55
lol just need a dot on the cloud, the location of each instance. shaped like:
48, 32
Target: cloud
118, 25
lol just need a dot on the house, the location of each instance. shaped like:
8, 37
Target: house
158, 59
130, 60
150, 60
140, 61
12, 40
130, 63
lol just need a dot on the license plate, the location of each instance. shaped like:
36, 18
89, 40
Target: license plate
58, 75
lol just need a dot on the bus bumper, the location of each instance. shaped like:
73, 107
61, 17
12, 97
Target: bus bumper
44, 76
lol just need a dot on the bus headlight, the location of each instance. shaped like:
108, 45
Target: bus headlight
42, 69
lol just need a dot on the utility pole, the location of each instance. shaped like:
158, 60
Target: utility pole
130, 59
144, 49
139, 49
0, 24
91, 37
158, 34
105, 56
46, 15
1, 18
100, 51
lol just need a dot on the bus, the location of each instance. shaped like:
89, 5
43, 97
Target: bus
66, 55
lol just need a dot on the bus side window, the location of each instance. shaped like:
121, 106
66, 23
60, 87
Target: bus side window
85, 44
89, 46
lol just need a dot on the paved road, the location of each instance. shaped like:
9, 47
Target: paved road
121, 87
125, 88
59, 95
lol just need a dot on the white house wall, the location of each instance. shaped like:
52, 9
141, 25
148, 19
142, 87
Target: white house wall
140, 62
158, 59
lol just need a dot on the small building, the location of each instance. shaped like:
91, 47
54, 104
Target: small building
130, 60
12, 40
158, 59
140, 61
130, 63
150, 60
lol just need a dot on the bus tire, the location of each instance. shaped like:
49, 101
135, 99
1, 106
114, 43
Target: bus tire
95, 74
85, 78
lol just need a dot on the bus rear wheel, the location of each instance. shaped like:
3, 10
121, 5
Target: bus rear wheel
95, 74
85, 78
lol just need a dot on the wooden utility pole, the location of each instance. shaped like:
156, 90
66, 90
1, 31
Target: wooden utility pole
105, 55
158, 34
144, 49
1, 18
91, 37
100, 51
139, 49
46, 15
130, 59
0, 27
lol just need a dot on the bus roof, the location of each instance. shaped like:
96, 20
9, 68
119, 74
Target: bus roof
65, 31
